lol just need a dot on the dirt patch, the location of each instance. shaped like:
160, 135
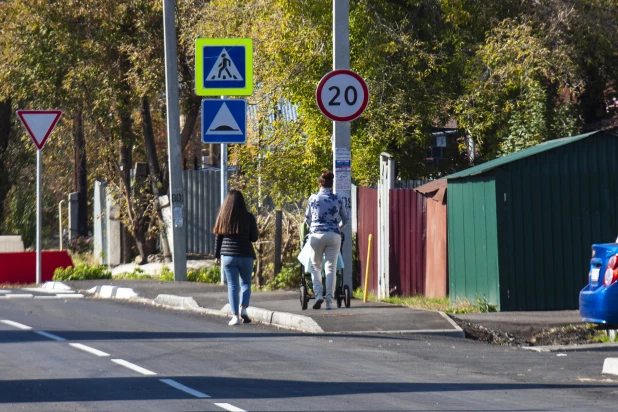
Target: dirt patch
564, 335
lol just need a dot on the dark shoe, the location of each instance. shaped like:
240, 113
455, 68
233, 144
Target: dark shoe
318, 304
244, 316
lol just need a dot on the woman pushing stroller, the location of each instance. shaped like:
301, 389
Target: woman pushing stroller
326, 214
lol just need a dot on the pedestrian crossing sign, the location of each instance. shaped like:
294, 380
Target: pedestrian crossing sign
223, 67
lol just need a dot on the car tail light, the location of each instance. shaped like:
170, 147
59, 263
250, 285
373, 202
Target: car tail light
613, 261
611, 273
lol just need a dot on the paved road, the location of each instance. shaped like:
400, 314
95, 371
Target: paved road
95, 355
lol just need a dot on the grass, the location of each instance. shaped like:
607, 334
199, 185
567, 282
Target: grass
602, 336
441, 304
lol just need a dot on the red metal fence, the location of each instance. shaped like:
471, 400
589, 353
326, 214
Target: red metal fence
368, 224
408, 231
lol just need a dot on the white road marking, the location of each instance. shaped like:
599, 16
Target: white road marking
49, 335
184, 388
89, 349
5, 291
229, 407
15, 324
19, 295
133, 367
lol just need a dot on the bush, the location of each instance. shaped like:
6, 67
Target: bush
288, 278
166, 274
205, 275
82, 272
137, 273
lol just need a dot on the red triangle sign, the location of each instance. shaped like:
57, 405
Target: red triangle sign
39, 124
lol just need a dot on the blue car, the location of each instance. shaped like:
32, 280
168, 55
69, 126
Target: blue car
598, 301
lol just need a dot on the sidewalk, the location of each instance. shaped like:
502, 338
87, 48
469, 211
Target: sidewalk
280, 308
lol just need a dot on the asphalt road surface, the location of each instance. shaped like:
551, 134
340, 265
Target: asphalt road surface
102, 355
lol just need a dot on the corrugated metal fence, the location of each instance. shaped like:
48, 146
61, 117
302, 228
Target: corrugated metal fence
203, 198
368, 224
408, 228
409, 184
407, 243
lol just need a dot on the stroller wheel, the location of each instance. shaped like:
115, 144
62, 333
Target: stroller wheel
338, 294
303, 298
346, 295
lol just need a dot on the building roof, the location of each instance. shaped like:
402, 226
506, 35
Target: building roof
436, 189
530, 151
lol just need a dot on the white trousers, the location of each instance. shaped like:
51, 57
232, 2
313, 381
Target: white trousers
324, 245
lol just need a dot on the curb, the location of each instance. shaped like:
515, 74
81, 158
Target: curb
187, 303
459, 332
281, 319
116, 292
610, 366
572, 348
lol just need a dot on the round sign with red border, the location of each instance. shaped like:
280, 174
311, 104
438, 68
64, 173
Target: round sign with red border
342, 95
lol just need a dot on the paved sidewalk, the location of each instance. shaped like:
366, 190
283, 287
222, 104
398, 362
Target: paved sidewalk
281, 308
523, 323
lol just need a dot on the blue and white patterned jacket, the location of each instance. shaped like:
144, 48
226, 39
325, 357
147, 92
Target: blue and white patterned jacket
324, 212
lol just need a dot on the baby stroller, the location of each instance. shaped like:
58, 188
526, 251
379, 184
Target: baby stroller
341, 293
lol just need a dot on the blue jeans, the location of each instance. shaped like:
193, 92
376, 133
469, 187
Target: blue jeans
233, 266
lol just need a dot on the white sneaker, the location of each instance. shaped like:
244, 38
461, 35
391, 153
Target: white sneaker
235, 321
329, 305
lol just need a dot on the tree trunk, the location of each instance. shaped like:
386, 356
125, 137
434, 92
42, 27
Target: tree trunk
5, 135
155, 174
80, 182
125, 187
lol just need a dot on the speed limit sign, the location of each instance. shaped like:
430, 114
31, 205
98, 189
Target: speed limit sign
342, 95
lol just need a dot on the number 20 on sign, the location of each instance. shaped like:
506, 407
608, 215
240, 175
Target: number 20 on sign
342, 95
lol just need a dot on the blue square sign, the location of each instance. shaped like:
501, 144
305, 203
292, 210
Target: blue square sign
224, 121
223, 67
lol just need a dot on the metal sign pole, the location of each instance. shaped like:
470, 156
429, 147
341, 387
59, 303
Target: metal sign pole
179, 252
38, 216
223, 186
341, 130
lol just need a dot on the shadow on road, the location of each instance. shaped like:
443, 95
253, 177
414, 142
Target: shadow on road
150, 388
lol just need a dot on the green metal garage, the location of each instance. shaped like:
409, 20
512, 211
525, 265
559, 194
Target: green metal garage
520, 227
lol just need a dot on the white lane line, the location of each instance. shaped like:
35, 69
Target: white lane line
15, 324
184, 388
5, 291
88, 349
133, 367
19, 295
229, 407
49, 335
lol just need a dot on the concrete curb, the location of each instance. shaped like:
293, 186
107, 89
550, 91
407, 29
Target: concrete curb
280, 319
459, 332
610, 366
116, 292
571, 348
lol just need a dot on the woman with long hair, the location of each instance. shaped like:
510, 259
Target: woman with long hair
326, 215
235, 230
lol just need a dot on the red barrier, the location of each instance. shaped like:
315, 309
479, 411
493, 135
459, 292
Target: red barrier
20, 267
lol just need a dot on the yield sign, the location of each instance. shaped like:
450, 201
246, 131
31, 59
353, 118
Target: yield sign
39, 124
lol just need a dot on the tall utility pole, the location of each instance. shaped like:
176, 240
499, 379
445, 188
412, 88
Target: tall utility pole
179, 250
341, 130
